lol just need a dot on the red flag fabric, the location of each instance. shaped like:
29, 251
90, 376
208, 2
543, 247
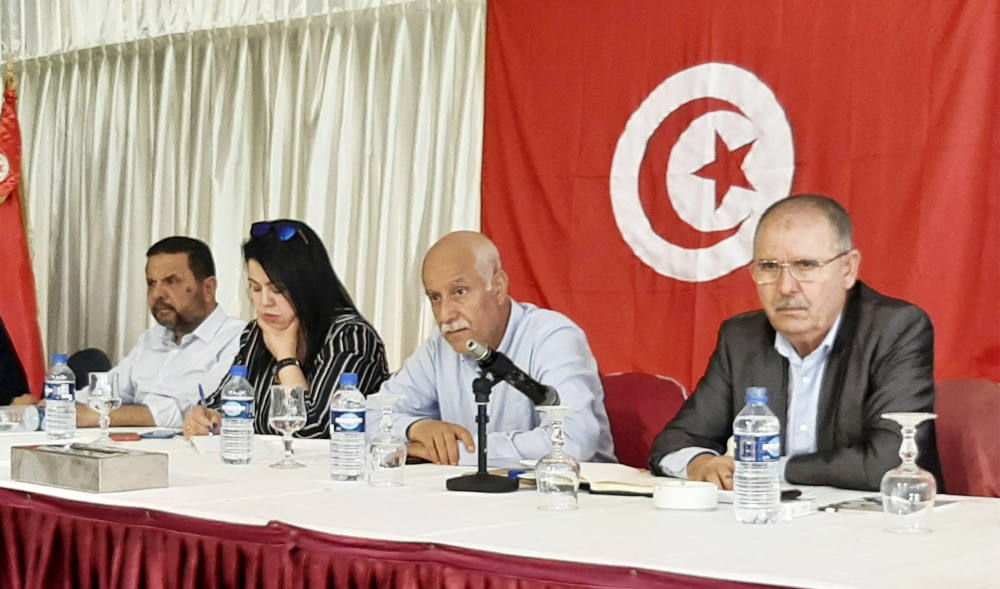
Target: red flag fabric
18, 302
630, 148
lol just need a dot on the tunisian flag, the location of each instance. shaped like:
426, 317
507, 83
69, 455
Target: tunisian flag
630, 148
18, 305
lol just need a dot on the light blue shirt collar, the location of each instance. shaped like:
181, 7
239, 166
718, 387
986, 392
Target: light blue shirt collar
805, 386
786, 349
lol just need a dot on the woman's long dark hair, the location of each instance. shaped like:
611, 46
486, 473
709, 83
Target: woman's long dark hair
300, 267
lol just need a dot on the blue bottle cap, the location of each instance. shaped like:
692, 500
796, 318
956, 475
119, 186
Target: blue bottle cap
58, 358
348, 379
238, 370
756, 395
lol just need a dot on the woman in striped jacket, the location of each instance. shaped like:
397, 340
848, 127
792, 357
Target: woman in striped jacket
307, 331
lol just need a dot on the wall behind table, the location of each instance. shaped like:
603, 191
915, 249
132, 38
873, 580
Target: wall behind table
366, 123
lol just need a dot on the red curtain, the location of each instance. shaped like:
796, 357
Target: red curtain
629, 148
51, 543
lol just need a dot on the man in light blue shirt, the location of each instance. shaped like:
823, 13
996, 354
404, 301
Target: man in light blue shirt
467, 289
193, 344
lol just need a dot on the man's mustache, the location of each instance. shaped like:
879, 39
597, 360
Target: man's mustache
447, 328
163, 307
790, 303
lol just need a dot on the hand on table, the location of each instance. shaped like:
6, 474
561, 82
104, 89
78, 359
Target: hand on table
27, 399
417, 452
200, 421
713, 469
86, 417
439, 441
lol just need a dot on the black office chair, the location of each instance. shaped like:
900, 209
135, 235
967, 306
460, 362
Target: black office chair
86, 361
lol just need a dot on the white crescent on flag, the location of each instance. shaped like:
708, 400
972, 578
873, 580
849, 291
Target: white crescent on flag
768, 166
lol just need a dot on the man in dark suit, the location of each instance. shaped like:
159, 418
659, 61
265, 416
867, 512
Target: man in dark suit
833, 353
13, 382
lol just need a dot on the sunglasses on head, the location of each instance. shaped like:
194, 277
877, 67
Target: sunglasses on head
284, 231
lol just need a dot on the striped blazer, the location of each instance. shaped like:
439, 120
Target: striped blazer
351, 345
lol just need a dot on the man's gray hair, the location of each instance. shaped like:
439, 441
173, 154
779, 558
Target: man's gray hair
839, 219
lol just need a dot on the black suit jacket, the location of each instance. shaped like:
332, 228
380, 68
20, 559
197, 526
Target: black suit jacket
12, 380
882, 360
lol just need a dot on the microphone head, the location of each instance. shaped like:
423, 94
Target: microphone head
551, 396
476, 350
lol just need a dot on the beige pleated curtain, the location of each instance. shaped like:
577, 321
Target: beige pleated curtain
362, 118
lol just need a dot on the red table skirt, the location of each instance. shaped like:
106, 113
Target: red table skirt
49, 543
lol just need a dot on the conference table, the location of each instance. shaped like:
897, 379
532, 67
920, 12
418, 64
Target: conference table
219, 525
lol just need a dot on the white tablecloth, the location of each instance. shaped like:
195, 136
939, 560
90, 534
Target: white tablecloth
825, 550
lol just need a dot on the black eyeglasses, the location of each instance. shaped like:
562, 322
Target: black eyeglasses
284, 231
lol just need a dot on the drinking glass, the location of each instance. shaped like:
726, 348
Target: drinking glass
104, 397
24, 418
287, 415
557, 474
386, 453
908, 491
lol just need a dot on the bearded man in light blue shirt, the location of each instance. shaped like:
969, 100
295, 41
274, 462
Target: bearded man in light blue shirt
467, 288
193, 344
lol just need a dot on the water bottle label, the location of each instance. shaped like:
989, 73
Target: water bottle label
349, 422
58, 391
758, 448
233, 409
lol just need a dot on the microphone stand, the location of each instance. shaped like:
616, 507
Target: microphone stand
482, 481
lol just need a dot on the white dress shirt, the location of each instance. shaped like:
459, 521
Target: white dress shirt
164, 375
436, 383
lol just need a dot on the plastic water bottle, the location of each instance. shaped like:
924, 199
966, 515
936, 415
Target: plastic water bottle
237, 418
756, 487
347, 431
60, 400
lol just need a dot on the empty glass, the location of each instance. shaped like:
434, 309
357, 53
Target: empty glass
557, 474
22, 418
287, 415
908, 491
103, 397
386, 452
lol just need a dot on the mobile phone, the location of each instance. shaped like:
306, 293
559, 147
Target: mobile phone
125, 436
790, 494
159, 434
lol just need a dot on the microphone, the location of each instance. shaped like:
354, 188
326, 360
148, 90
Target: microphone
502, 368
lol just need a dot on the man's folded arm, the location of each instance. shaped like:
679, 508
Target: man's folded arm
705, 420
141, 416
676, 463
902, 379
